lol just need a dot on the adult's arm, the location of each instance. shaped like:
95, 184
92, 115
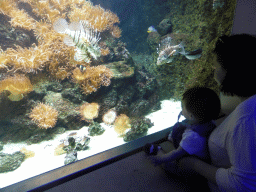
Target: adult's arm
206, 170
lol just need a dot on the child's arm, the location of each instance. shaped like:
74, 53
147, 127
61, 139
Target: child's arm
171, 156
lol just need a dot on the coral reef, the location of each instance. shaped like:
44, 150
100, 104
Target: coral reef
45, 116
51, 53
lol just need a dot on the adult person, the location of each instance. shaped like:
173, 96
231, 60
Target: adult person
232, 144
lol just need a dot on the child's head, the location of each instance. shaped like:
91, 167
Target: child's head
200, 104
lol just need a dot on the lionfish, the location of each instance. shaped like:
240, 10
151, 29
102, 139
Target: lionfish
168, 49
82, 36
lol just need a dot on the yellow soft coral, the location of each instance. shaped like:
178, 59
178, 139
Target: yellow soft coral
89, 111
122, 123
17, 85
92, 78
45, 116
98, 17
19, 17
28, 60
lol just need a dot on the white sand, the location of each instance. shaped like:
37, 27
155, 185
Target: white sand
44, 159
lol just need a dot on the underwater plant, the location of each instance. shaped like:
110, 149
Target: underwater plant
18, 86
45, 116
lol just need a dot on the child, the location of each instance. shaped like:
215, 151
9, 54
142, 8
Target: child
200, 106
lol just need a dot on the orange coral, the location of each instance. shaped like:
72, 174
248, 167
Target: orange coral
92, 78
19, 17
104, 52
76, 10
44, 9
98, 17
28, 60
122, 123
116, 32
6, 6
17, 85
45, 116
89, 111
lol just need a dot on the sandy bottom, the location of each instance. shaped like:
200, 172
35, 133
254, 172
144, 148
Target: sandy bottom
45, 160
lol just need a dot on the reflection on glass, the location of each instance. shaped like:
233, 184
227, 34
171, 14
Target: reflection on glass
80, 77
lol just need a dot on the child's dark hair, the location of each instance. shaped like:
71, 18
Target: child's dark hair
202, 102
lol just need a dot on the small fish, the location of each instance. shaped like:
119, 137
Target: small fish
82, 68
168, 49
151, 29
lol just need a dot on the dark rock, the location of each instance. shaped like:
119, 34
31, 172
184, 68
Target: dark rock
72, 95
59, 130
10, 162
55, 87
95, 129
76, 142
164, 27
153, 40
68, 114
71, 157
43, 136
139, 108
139, 128
120, 69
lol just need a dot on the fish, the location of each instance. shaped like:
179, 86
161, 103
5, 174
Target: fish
151, 29
168, 49
82, 68
82, 36
194, 54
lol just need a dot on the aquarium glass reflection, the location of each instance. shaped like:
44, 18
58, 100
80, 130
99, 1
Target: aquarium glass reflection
79, 77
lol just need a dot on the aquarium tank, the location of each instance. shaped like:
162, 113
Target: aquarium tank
79, 77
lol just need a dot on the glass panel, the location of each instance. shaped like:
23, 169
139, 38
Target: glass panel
80, 77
